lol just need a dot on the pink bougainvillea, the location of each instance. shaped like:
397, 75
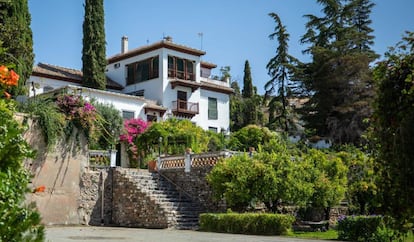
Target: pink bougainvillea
132, 129
78, 110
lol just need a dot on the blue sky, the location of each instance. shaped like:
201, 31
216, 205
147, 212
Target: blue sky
233, 30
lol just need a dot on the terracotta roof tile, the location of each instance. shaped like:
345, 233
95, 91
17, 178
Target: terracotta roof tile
67, 74
155, 46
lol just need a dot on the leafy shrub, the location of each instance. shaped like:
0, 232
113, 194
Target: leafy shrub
48, 116
250, 136
367, 228
241, 179
18, 222
247, 223
362, 190
109, 124
177, 135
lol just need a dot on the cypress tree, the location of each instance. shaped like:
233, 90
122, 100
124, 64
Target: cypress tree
93, 52
16, 38
247, 81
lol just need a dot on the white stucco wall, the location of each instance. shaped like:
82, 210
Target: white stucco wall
119, 74
158, 90
41, 82
119, 101
223, 111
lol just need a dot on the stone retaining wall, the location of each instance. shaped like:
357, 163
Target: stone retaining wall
195, 183
133, 208
96, 185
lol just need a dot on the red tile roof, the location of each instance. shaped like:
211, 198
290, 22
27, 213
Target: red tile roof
158, 45
67, 74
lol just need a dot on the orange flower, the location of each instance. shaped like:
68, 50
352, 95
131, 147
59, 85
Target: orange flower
40, 189
4, 71
7, 95
13, 78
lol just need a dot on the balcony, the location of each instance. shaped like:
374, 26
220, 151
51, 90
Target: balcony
184, 109
216, 85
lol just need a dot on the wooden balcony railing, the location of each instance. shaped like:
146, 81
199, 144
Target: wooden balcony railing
184, 108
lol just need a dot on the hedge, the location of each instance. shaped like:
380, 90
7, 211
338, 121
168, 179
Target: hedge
246, 223
367, 228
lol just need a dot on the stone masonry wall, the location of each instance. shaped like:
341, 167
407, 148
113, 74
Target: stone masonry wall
195, 183
96, 185
132, 207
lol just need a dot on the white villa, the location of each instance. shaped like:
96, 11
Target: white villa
152, 82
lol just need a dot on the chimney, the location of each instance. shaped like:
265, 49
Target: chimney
124, 44
168, 38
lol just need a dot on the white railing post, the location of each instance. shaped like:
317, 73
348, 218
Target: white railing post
187, 160
113, 158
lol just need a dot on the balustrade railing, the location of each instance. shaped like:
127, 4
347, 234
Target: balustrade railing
185, 107
197, 160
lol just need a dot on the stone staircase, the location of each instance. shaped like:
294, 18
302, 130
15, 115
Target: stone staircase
182, 212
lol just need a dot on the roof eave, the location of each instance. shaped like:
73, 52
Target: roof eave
155, 46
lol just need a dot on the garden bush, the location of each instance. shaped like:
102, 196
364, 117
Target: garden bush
18, 221
247, 223
367, 228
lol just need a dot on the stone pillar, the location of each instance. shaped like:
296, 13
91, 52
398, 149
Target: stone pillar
187, 160
113, 158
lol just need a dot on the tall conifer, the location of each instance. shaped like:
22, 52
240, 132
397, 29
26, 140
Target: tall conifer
16, 38
247, 81
281, 68
93, 52
339, 77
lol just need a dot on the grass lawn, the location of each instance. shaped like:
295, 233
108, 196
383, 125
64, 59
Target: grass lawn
328, 235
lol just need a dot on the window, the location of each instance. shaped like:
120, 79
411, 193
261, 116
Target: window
138, 93
212, 108
151, 118
181, 68
47, 88
213, 129
143, 70
128, 114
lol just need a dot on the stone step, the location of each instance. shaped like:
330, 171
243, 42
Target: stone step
178, 207
182, 213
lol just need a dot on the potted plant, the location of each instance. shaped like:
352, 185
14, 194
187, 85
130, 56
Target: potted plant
151, 163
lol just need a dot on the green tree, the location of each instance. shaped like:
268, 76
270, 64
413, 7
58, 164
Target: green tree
240, 186
328, 174
244, 110
109, 124
247, 81
252, 110
393, 130
250, 136
281, 69
362, 190
93, 52
339, 77
16, 36
236, 108
176, 136
18, 221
